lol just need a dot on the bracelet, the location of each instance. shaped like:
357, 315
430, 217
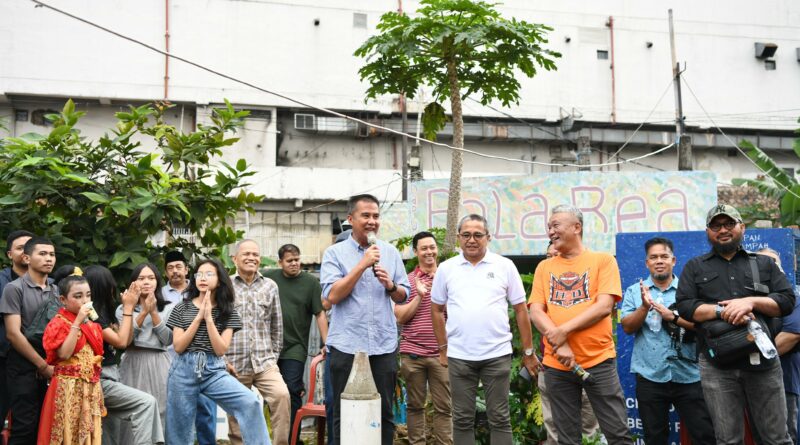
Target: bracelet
77, 328
394, 288
444, 346
127, 315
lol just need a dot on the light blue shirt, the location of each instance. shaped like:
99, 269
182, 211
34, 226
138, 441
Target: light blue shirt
654, 356
171, 294
364, 320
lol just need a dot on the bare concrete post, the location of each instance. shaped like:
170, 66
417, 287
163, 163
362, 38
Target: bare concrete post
360, 405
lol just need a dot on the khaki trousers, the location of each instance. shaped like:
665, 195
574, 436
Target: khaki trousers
422, 374
271, 386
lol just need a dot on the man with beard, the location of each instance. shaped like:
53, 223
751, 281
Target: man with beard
27, 371
665, 368
721, 285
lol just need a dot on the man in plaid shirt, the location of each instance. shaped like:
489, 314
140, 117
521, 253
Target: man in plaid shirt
253, 355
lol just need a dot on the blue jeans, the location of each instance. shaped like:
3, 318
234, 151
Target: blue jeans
205, 421
292, 373
196, 373
729, 391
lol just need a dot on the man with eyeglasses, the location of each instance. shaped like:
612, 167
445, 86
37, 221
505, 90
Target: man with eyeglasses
720, 285
253, 355
665, 367
572, 299
476, 287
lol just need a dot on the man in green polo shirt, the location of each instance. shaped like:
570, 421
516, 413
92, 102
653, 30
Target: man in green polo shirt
301, 300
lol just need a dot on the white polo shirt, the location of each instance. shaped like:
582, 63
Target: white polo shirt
477, 299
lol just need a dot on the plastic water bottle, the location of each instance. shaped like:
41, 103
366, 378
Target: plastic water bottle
654, 317
762, 340
582, 373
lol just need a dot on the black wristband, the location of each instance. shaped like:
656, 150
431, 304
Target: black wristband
394, 287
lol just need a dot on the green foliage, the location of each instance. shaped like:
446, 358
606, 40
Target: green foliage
778, 185
101, 201
487, 51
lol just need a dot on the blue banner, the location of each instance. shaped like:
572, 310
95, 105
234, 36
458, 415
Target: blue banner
631, 255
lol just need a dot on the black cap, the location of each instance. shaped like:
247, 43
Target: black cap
173, 256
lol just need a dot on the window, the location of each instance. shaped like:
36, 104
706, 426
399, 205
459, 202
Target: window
304, 121
38, 117
769, 65
21, 115
602, 54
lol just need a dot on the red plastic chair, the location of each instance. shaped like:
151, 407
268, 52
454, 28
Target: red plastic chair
310, 408
6, 433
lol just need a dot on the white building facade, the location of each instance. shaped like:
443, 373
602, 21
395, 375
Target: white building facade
308, 160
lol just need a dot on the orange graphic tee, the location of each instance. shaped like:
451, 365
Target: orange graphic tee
568, 287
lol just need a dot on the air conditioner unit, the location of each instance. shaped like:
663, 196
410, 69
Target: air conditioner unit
305, 121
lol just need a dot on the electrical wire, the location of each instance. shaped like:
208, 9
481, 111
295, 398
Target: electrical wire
326, 110
734, 144
643, 122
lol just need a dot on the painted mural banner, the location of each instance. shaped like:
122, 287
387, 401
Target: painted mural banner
517, 207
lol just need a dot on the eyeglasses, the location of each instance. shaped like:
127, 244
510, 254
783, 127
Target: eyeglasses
729, 225
477, 236
207, 275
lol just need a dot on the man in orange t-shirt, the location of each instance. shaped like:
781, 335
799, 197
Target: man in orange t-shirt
571, 303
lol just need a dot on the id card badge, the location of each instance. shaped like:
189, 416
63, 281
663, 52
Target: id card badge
755, 358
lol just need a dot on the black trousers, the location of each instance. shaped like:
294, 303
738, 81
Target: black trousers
292, 373
384, 372
3, 392
26, 392
654, 403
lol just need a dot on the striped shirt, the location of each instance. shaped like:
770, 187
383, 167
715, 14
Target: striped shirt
417, 336
185, 312
257, 346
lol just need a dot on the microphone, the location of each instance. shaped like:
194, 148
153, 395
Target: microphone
372, 239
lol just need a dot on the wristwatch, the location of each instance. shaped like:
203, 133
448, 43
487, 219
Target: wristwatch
677, 316
528, 352
718, 311
394, 288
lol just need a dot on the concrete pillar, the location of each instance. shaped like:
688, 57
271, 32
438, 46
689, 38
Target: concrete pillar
360, 406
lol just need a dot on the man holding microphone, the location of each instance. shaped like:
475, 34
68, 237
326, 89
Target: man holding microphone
360, 278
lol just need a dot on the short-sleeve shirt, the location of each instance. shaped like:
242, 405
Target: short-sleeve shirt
654, 356
417, 335
570, 286
185, 312
301, 299
23, 297
477, 298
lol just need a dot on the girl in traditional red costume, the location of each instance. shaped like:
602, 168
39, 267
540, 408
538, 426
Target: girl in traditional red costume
73, 407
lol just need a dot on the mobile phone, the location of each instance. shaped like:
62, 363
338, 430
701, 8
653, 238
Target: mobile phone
523, 372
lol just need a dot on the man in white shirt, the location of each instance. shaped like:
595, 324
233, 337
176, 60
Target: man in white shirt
476, 287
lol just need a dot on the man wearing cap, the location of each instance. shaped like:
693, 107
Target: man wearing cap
720, 285
177, 269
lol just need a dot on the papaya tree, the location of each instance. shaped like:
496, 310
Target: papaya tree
457, 48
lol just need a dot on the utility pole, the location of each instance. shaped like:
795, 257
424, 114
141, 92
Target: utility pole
404, 114
684, 141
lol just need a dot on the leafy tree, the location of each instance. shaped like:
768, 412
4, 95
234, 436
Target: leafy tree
101, 202
778, 185
456, 47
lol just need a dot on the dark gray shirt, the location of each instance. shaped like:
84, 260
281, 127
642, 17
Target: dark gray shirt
23, 297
